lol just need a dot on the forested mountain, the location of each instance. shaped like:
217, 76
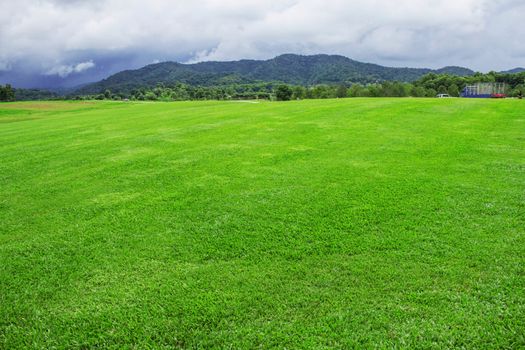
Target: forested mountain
514, 71
291, 69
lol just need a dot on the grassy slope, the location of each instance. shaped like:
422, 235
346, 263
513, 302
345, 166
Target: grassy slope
369, 222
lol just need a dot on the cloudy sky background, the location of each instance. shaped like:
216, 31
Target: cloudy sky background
69, 42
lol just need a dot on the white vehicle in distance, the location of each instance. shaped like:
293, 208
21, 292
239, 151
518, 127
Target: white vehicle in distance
443, 96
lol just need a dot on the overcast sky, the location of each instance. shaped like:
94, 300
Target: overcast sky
75, 41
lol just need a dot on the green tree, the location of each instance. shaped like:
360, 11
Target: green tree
355, 90
7, 93
418, 91
431, 93
150, 96
518, 91
453, 90
283, 93
375, 90
341, 91
298, 93
321, 91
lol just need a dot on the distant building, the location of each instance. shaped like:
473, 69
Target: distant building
485, 90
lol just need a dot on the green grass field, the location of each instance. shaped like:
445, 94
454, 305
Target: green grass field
366, 223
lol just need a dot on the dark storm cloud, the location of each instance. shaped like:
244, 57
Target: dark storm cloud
75, 41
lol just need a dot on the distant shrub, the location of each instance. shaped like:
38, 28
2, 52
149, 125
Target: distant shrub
283, 93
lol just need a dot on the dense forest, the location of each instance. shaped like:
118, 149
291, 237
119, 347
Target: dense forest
35, 94
427, 86
8, 94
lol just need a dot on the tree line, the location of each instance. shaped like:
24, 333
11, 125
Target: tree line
7, 93
427, 86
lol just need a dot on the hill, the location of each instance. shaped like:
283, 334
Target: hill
289, 68
514, 71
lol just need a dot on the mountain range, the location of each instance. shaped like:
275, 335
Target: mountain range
514, 71
288, 68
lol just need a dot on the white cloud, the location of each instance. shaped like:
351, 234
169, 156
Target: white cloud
65, 70
482, 34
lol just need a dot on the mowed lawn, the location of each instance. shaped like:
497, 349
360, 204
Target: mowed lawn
366, 223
